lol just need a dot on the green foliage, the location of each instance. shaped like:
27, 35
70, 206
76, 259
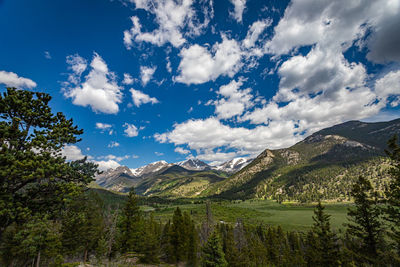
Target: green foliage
82, 225
34, 177
131, 225
213, 255
365, 227
392, 211
38, 240
323, 247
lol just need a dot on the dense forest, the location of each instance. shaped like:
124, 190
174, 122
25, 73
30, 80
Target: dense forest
49, 218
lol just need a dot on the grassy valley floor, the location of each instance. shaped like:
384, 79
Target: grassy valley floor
289, 216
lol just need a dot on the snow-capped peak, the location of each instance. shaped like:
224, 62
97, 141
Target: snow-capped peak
233, 165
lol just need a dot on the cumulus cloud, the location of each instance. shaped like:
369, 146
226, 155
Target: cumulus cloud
254, 32
172, 18
199, 65
107, 164
336, 24
72, 152
11, 79
140, 98
181, 150
204, 135
234, 101
99, 90
128, 80
159, 154
239, 8
105, 127
130, 130
146, 74
318, 71
389, 85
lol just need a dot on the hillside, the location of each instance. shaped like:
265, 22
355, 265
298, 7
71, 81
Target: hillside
324, 165
178, 182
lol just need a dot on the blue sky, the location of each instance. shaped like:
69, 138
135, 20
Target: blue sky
169, 80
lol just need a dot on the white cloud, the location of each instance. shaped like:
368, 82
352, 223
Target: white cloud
103, 126
239, 8
130, 130
208, 134
159, 154
389, 85
254, 32
116, 158
140, 98
199, 65
128, 80
181, 150
11, 79
72, 152
107, 164
146, 74
234, 101
336, 24
318, 71
172, 17
113, 144
314, 113
100, 90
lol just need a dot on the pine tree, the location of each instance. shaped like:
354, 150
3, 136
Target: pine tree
231, 252
131, 227
152, 242
178, 236
32, 167
213, 256
83, 225
166, 243
392, 211
325, 248
366, 226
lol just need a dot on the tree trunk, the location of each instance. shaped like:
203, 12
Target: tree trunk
85, 255
38, 260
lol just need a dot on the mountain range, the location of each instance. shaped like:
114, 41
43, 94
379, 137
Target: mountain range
122, 178
322, 166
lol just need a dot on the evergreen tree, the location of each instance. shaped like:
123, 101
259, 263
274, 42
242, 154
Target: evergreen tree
178, 236
392, 211
166, 243
34, 176
37, 241
325, 247
231, 252
193, 243
213, 256
83, 224
131, 225
152, 242
366, 227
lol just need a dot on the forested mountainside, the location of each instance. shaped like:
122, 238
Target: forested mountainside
324, 165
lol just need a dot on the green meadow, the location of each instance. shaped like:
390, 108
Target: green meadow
288, 216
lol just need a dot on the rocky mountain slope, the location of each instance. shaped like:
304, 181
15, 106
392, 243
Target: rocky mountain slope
324, 165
